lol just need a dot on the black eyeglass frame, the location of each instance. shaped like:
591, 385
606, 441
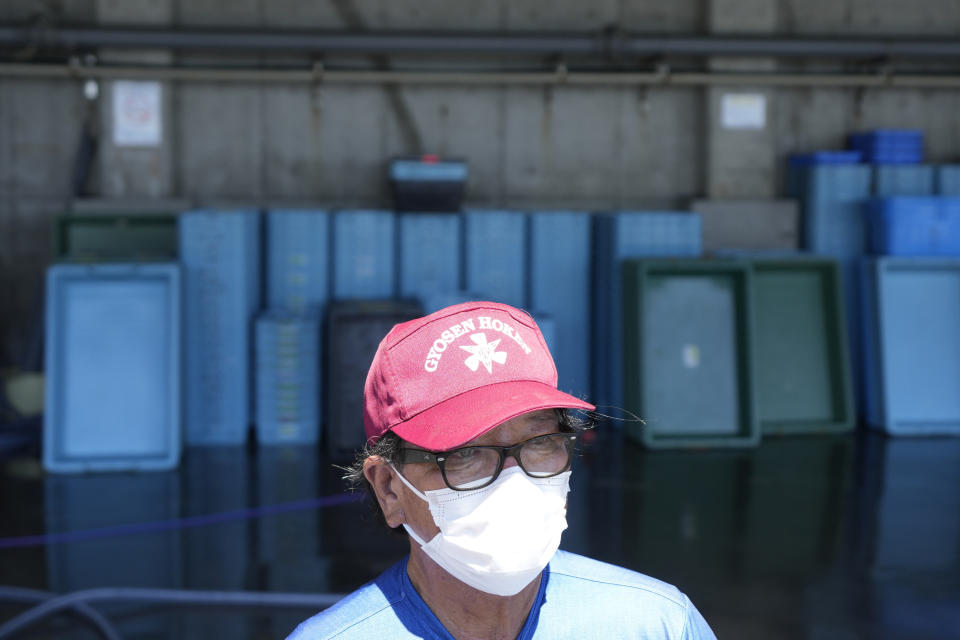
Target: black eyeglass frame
439, 458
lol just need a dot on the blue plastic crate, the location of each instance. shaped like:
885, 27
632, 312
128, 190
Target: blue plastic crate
560, 287
429, 254
495, 255
915, 226
893, 146
363, 254
298, 259
288, 378
113, 368
948, 180
911, 329
617, 237
220, 254
899, 180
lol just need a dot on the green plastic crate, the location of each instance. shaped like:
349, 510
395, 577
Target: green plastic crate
688, 362
108, 237
803, 378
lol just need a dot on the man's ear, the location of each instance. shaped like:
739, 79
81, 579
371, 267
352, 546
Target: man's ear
386, 487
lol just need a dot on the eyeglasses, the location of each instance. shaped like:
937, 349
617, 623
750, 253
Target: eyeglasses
477, 467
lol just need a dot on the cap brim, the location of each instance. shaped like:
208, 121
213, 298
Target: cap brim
469, 415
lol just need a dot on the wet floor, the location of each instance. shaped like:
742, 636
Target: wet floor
809, 538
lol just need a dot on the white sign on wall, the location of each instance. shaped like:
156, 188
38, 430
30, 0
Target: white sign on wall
137, 114
743, 111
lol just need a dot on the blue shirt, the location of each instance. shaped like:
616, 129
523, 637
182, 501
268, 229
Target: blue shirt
578, 598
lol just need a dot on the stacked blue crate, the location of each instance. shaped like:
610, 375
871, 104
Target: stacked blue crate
113, 365
559, 256
832, 197
915, 226
495, 265
911, 323
363, 254
948, 180
617, 237
288, 378
220, 254
298, 259
429, 254
889, 146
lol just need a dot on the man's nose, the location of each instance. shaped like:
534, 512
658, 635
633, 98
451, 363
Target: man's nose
511, 461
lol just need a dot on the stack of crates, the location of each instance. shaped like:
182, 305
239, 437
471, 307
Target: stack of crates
896, 156
364, 251
832, 187
559, 266
288, 378
287, 336
220, 254
618, 237
297, 260
495, 264
430, 254
912, 316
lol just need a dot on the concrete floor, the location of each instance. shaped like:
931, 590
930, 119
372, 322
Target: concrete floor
816, 538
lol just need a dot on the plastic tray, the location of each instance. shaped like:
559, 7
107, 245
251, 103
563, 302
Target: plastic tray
803, 380
220, 253
288, 378
363, 254
104, 237
429, 254
298, 259
894, 180
495, 250
354, 331
616, 237
688, 353
113, 368
560, 287
915, 226
912, 345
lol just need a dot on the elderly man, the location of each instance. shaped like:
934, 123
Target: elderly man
470, 451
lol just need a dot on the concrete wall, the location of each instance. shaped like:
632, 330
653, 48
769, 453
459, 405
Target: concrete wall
582, 148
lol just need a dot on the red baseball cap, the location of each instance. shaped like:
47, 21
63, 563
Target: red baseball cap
449, 377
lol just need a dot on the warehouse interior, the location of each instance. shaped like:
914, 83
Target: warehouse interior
736, 222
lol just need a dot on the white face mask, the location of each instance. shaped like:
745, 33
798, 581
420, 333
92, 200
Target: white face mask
499, 538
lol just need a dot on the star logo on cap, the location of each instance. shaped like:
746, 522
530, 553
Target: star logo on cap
484, 353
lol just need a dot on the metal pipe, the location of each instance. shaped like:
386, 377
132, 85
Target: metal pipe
82, 610
600, 43
174, 597
318, 75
